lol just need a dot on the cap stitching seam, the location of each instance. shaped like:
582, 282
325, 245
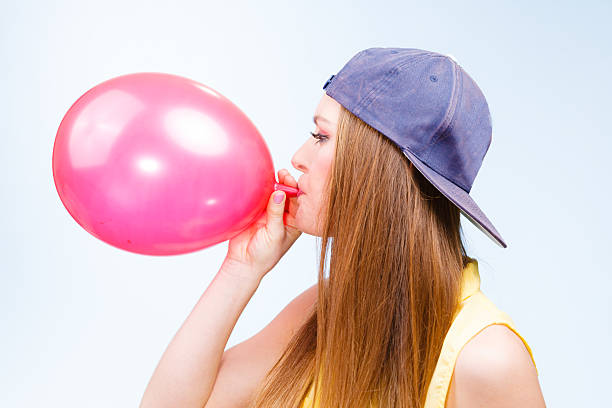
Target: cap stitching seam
450, 117
381, 85
448, 130
384, 83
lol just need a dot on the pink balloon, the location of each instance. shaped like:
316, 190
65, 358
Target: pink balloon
159, 164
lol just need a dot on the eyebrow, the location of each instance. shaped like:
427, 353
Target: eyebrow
319, 117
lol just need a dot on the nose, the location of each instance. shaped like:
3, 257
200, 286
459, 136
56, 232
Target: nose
297, 162
296, 165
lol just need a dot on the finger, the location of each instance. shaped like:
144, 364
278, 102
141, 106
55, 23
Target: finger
282, 174
284, 177
290, 181
291, 206
290, 224
275, 224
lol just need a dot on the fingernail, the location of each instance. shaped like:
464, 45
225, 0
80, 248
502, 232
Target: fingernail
278, 197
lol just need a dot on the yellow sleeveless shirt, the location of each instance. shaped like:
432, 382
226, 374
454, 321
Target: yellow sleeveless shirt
474, 313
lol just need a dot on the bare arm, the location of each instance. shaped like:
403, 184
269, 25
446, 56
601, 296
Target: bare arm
186, 373
184, 379
245, 366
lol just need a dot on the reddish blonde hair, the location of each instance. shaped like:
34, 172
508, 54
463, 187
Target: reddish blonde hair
395, 262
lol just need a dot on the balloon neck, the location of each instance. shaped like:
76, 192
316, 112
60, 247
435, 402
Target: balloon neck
290, 191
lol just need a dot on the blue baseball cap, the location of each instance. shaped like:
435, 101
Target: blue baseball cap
431, 109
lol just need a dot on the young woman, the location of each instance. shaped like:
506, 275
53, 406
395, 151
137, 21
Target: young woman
398, 318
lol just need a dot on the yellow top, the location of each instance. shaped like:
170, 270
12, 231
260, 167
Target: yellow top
474, 313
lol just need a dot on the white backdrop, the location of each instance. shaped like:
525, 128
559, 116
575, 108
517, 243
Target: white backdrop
84, 324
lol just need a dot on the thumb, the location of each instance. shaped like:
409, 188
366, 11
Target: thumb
275, 224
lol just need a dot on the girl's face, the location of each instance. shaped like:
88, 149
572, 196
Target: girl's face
314, 159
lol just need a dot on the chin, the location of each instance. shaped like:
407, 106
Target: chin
307, 224
306, 229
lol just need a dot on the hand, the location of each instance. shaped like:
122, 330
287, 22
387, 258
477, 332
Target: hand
257, 249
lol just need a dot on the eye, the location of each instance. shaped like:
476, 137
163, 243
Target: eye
319, 137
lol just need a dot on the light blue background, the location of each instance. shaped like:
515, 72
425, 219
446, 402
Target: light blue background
84, 324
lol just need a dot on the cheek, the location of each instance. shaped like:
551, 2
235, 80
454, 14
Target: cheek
323, 168
304, 205
308, 207
307, 217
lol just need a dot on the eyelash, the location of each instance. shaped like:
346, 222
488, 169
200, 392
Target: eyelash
319, 137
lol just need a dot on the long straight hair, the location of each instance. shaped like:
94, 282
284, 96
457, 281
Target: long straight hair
383, 309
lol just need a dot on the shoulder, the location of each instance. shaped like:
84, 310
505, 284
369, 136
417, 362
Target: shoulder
494, 369
294, 315
291, 318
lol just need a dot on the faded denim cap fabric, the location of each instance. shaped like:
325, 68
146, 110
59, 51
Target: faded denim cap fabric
431, 109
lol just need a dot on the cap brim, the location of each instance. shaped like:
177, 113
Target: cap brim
459, 197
